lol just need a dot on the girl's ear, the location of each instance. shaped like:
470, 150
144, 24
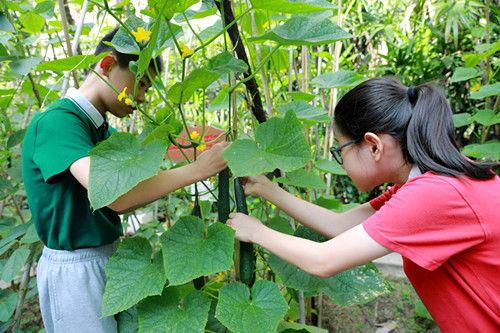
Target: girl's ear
375, 145
106, 64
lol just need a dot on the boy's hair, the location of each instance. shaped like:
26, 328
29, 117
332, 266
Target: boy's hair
419, 118
123, 59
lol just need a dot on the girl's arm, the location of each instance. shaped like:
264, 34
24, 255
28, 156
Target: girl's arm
350, 249
322, 220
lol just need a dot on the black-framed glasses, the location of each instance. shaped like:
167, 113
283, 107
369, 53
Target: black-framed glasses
336, 151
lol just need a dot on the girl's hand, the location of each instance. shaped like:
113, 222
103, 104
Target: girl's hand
258, 186
246, 227
211, 162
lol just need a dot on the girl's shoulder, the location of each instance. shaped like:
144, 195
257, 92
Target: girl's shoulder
460, 183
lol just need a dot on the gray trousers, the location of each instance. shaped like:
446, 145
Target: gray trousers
70, 288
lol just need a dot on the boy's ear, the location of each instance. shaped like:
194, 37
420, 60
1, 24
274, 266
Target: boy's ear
106, 64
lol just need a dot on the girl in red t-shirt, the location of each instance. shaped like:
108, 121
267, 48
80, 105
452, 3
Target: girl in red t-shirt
441, 215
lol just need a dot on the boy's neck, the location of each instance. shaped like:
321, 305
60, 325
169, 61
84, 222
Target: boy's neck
91, 90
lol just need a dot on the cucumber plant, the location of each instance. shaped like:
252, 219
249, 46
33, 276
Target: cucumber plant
186, 274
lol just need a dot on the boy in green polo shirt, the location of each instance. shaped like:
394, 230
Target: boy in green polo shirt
79, 241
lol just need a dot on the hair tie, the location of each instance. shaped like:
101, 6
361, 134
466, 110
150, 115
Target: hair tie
412, 94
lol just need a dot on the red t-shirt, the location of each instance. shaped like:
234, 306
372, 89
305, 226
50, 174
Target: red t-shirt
448, 231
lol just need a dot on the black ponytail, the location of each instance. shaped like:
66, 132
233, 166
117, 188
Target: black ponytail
419, 118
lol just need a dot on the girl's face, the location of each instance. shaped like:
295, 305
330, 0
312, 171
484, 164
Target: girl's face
358, 163
374, 160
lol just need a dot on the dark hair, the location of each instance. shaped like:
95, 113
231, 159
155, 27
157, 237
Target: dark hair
123, 59
419, 118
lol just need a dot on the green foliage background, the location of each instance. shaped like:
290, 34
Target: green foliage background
304, 56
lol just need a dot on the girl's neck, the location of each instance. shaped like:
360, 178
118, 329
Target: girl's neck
405, 172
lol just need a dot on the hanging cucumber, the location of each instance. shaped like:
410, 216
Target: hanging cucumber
199, 282
223, 208
247, 256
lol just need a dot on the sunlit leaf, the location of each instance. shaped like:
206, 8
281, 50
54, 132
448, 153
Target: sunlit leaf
279, 143
306, 30
258, 310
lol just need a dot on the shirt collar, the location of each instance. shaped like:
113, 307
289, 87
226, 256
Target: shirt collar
414, 172
84, 104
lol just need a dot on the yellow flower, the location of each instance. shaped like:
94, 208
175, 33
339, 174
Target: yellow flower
212, 180
476, 86
129, 101
201, 147
141, 35
123, 94
185, 51
220, 277
195, 135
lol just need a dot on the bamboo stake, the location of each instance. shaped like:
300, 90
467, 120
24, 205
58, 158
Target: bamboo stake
64, 21
76, 41
333, 100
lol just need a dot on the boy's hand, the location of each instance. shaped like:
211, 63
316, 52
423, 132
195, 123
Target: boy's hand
258, 186
210, 162
246, 227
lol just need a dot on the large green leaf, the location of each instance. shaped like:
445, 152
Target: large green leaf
487, 117
132, 275
257, 311
190, 250
8, 301
464, 73
330, 166
355, 286
338, 79
201, 78
169, 313
293, 6
462, 119
486, 91
302, 178
125, 43
71, 63
127, 321
279, 143
305, 112
10, 239
5, 24
489, 150
306, 30
24, 66
16, 261
32, 22
120, 163
224, 63
170, 7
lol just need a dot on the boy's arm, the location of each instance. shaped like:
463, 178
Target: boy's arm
350, 249
149, 190
322, 220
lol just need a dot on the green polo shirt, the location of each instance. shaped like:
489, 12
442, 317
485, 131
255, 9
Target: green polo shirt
60, 208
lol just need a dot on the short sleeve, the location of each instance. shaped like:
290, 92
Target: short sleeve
427, 221
61, 139
379, 201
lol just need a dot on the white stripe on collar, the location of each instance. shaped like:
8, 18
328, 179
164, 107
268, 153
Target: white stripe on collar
95, 116
414, 172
